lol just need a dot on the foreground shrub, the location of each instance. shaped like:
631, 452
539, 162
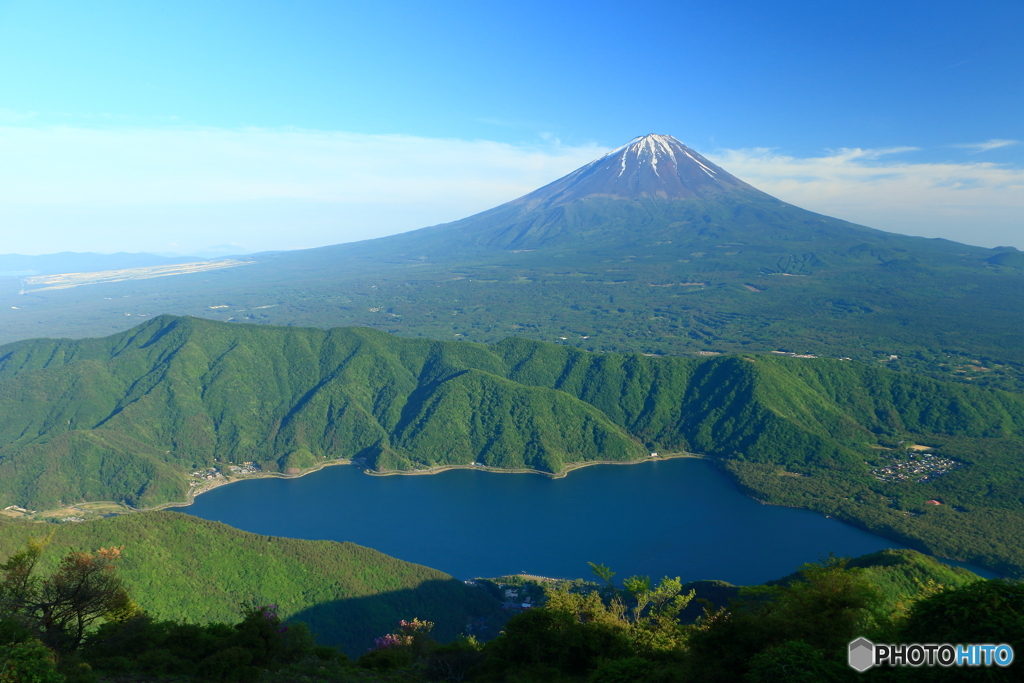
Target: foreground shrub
260, 642
28, 662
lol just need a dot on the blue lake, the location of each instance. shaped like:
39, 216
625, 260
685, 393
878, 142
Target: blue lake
678, 517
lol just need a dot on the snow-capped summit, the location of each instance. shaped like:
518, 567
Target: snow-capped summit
648, 149
629, 191
655, 166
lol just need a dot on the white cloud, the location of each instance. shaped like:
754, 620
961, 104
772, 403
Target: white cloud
986, 146
143, 188
144, 166
8, 116
978, 203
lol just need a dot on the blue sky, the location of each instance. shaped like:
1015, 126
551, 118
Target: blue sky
268, 125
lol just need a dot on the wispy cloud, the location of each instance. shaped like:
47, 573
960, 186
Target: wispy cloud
144, 188
12, 116
147, 187
143, 166
986, 146
979, 203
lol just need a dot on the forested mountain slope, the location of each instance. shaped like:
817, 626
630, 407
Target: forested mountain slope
126, 417
181, 567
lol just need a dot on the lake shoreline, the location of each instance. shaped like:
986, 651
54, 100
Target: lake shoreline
552, 475
224, 481
193, 494
215, 484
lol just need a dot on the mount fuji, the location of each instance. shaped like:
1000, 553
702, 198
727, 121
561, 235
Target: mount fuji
653, 188
655, 166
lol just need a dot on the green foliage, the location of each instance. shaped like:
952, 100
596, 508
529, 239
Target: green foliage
60, 608
982, 612
554, 640
28, 661
900, 575
259, 642
628, 670
126, 417
796, 629
409, 646
412, 651
296, 461
453, 663
579, 631
387, 659
823, 611
794, 661
648, 614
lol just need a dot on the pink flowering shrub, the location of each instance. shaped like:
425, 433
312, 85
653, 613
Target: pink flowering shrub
410, 634
391, 640
404, 648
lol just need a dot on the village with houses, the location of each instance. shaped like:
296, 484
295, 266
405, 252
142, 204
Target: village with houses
917, 464
201, 480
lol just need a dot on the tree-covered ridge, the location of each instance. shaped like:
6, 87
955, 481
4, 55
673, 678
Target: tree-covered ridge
180, 567
765, 408
126, 417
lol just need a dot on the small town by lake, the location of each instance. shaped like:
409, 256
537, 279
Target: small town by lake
679, 517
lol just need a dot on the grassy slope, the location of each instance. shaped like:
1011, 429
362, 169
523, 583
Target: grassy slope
123, 416
181, 567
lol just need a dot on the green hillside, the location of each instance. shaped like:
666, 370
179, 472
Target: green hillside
179, 567
127, 417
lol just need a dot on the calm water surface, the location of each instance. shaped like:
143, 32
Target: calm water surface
678, 517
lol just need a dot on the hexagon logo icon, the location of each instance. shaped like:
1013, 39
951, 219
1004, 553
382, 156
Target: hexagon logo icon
862, 654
